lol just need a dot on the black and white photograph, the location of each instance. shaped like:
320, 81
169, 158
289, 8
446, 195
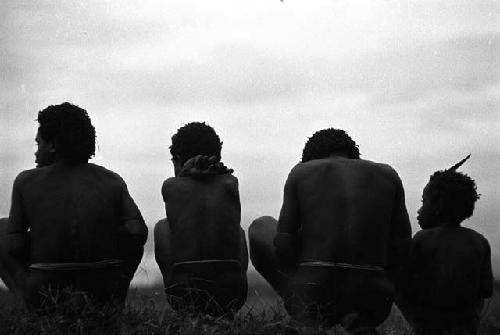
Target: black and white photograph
250, 167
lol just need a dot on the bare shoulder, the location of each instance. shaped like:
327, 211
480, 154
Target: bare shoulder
383, 168
422, 235
104, 171
169, 186
228, 180
303, 169
27, 176
480, 237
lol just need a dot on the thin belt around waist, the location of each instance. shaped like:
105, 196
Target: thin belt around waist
328, 264
76, 265
207, 261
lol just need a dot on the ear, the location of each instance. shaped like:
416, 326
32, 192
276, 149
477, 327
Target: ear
438, 207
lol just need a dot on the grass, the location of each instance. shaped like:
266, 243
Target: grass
147, 313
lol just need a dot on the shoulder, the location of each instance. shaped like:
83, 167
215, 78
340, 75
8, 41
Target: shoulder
424, 234
104, 172
171, 186
28, 176
478, 236
174, 184
304, 169
382, 168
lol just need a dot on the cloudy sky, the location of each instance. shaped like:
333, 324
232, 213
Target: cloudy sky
415, 83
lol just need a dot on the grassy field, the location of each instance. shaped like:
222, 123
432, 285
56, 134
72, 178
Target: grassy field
147, 313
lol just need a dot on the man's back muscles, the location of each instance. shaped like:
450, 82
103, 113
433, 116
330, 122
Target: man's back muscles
85, 206
345, 209
205, 213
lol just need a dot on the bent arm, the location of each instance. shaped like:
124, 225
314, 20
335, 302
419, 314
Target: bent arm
286, 240
486, 283
133, 230
18, 225
400, 234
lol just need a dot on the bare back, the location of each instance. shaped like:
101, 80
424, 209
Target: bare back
72, 212
204, 217
345, 210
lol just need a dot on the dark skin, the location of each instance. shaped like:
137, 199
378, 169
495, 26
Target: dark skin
340, 199
338, 210
449, 272
203, 221
66, 212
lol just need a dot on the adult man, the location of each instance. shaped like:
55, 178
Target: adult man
71, 223
341, 238
200, 247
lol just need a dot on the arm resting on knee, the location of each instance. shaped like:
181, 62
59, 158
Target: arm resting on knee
18, 247
286, 247
135, 231
486, 283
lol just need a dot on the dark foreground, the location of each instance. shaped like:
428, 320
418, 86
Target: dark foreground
147, 313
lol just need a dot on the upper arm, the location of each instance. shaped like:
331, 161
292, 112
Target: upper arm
131, 219
486, 285
18, 222
166, 191
289, 215
400, 222
410, 276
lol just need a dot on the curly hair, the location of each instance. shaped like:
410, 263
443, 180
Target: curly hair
69, 127
329, 141
457, 191
195, 138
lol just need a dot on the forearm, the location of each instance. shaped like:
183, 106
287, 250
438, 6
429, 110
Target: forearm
132, 237
135, 231
287, 246
18, 246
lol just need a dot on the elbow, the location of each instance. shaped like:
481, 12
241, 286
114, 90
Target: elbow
18, 246
136, 230
286, 247
486, 289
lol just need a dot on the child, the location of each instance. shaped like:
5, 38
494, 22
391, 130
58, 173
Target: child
449, 271
200, 247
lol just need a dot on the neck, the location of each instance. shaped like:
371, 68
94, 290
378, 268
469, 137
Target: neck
338, 155
449, 224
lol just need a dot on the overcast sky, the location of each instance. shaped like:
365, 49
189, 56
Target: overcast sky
415, 83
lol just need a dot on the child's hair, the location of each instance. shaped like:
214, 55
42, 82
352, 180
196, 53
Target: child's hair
195, 138
457, 191
329, 141
71, 130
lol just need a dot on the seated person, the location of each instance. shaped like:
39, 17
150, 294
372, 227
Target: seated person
71, 223
342, 235
449, 272
200, 247
45, 159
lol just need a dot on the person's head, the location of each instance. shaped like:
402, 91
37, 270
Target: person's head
192, 139
65, 132
448, 198
327, 142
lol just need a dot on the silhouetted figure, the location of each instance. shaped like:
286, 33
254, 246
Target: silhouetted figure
200, 247
342, 235
449, 271
71, 223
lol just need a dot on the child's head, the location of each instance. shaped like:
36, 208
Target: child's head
449, 197
327, 142
192, 139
